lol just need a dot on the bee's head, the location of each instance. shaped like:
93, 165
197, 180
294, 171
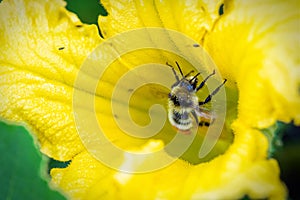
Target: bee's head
182, 96
193, 81
189, 84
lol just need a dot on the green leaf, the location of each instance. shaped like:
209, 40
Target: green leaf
274, 135
88, 11
22, 167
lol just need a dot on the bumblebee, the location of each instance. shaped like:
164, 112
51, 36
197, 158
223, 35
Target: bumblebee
183, 105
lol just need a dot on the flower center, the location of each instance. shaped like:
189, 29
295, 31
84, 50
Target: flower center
156, 94
129, 117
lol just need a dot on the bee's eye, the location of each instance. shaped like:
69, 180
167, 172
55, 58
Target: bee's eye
190, 87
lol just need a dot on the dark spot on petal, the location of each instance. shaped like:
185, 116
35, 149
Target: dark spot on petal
61, 48
78, 25
221, 9
196, 45
130, 90
116, 116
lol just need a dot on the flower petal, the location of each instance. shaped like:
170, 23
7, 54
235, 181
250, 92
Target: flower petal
245, 162
193, 18
42, 47
256, 45
40, 78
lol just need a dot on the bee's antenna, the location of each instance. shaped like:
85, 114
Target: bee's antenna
179, 69
175, 74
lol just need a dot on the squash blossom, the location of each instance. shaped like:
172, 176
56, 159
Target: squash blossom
255, 45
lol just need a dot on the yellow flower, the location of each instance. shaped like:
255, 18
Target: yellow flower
254, 45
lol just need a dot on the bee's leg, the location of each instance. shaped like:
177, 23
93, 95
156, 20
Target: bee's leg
203, 123
174, 72
189, 73
208, 99
179, 69
195, 116
204, 81
193, 77
194, 81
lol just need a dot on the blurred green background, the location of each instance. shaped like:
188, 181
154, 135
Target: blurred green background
20, 159
87, 10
